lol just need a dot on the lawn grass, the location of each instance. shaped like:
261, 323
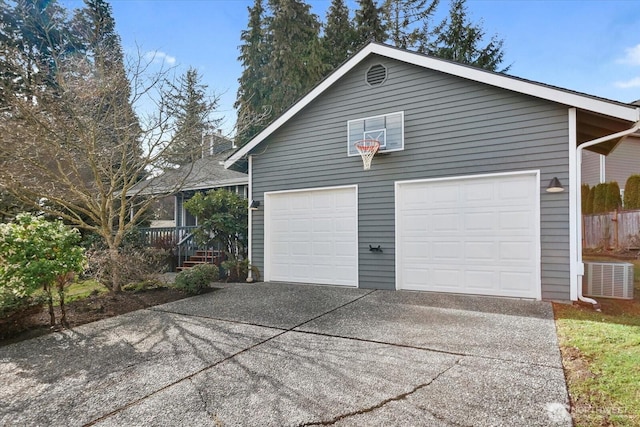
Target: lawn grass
77, 290
601, 356
83, 289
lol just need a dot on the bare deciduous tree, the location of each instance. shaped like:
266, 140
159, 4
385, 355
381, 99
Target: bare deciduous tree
72, 150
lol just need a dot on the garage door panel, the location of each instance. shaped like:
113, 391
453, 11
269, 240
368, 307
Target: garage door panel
516, 252
516, 221
481, 281
443, 223
478, 192
480, 251
298, 248
476, 235
516, 283
312, 236
479, 221
446, 279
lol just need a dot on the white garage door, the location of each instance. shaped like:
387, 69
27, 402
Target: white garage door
475, 235
311, 236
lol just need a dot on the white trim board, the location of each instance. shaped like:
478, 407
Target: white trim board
584, 102
575, 244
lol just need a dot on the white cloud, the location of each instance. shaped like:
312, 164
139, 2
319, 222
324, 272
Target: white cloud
635, 82
632, 56
159, 57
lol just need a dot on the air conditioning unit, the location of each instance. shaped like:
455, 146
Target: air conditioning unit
608, 279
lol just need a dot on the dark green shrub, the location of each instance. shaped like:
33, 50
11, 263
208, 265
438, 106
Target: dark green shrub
585, 198
600, 198
613, 200
632, 192
196, 280
592, 193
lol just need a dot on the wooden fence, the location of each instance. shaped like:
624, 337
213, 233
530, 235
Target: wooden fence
614, 230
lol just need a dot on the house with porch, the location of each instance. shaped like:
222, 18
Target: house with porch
205, 174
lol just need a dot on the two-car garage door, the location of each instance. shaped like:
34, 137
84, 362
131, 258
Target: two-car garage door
475, 235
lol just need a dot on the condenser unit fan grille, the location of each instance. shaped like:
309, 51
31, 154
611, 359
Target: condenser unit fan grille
608, 280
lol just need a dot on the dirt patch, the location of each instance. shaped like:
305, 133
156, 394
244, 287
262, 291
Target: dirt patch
35, 322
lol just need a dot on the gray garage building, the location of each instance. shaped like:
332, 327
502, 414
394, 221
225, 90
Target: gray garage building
456, 199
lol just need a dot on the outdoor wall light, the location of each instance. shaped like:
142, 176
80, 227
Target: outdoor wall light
555, 186
255, 204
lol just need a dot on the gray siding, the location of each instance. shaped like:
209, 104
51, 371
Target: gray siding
453, 127
590, 168
623, 162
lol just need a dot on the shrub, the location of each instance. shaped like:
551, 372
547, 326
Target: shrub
600, 198
592, 193
36, 253
613, 200
196, 280
134, 265
632, 192
238, 270
585, 198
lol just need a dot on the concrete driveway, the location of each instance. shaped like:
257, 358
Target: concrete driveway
295, 355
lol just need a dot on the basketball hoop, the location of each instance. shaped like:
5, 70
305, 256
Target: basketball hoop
367, 149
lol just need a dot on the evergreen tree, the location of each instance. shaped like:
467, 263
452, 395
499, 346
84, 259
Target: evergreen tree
295, 61
114, 118
369, 23
253, 91
613, 199
457, 39
632, 192
339, 34
600, 198
34, 37
590, 200
584, 191
407, 21
192, 108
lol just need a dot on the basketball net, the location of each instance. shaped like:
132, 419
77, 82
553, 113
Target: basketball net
367, 149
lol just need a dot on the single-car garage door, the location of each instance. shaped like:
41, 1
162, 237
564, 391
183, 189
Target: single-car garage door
311, 236
472, 235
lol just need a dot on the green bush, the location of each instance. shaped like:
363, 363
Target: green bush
589, 207
196, 280
600, 198
613, 200
238, 270
585, 198
632, 192
36, 253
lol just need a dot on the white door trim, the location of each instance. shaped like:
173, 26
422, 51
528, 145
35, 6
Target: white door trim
536, 173
267, 224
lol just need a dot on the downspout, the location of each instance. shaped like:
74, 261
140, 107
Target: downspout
581, 147
249, 229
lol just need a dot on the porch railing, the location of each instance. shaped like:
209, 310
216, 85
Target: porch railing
180, 240
165, 237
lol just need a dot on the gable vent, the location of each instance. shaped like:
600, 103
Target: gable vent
376, 75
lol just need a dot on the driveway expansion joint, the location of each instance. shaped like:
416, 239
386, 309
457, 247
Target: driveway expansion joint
381, 404
190, 376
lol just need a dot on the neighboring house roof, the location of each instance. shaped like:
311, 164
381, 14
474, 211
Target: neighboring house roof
205, 173
593, 107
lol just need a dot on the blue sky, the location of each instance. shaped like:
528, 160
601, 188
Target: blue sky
591, 46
